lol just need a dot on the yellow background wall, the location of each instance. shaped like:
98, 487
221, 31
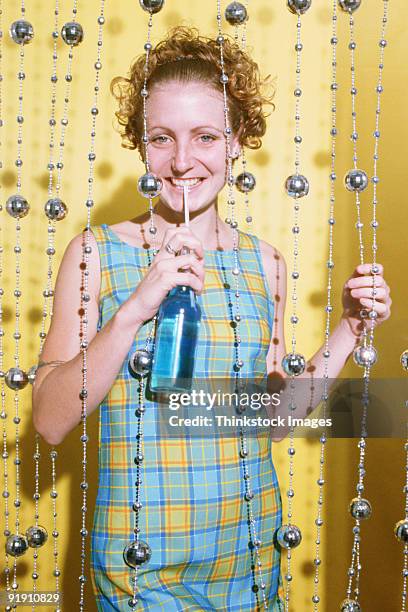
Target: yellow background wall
271, 35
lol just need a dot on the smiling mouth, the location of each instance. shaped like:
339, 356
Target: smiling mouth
181, 183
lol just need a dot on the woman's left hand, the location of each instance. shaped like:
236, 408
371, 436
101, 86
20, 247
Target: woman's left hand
357, 295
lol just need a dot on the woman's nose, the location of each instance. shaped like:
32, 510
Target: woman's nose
181, 161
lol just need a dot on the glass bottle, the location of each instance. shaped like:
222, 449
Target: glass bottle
178, 323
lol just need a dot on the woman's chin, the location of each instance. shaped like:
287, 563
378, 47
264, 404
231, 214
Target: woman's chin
172, 204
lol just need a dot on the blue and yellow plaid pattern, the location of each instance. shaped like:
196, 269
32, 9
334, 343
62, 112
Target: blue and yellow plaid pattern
194, 516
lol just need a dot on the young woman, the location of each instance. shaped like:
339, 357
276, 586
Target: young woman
195, 516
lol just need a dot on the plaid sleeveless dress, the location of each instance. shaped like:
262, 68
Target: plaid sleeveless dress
194, 516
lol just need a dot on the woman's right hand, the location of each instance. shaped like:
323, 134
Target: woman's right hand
164, 274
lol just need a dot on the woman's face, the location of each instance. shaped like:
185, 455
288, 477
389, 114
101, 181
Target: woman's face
187, 143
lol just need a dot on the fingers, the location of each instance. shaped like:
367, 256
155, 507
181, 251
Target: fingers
364, 278
379, 293
195, 267
187, 278
378, 306
172, 264
179, 237
168, 270
366, 281
367, 269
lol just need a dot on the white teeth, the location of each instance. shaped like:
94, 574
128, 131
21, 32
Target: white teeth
187, 182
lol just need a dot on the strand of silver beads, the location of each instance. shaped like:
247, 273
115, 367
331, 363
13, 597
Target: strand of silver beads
254, 543
138, 552
236, 14
360, 179
55, 210
245, 182
85, 297
3, 414
365, 355
297, 186
21, 32
328, 308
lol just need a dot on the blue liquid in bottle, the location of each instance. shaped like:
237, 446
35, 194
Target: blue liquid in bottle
176, 341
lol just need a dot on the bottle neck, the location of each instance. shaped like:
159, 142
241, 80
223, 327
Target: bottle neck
182, 290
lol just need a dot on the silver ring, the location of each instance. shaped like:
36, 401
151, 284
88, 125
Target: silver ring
170, 249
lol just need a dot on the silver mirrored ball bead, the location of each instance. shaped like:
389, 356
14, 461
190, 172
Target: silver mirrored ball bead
289, 536
16, 545
236, 13
22, 32
17, 206
16, 379
245, 182
349, 5
356, 180
293, 364
72, 33
401, 531
365, 356
297, 186
136, 553
350, 605
299, 6
404, 360
149, 185
360, 508
141, 362
36, 536
152, 6
55, 209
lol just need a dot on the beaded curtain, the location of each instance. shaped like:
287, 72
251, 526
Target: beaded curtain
270, 37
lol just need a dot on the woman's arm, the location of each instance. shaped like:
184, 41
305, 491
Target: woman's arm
342, 342
57, 406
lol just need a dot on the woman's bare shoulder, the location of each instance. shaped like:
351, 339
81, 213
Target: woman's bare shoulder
271, 253
274, 265
72, 261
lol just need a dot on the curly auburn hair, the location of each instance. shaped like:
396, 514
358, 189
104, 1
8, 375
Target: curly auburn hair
186, 56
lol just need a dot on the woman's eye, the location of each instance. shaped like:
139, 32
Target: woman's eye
161, 139
207, 138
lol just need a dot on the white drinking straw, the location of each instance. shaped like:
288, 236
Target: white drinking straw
186, 210
186, 250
